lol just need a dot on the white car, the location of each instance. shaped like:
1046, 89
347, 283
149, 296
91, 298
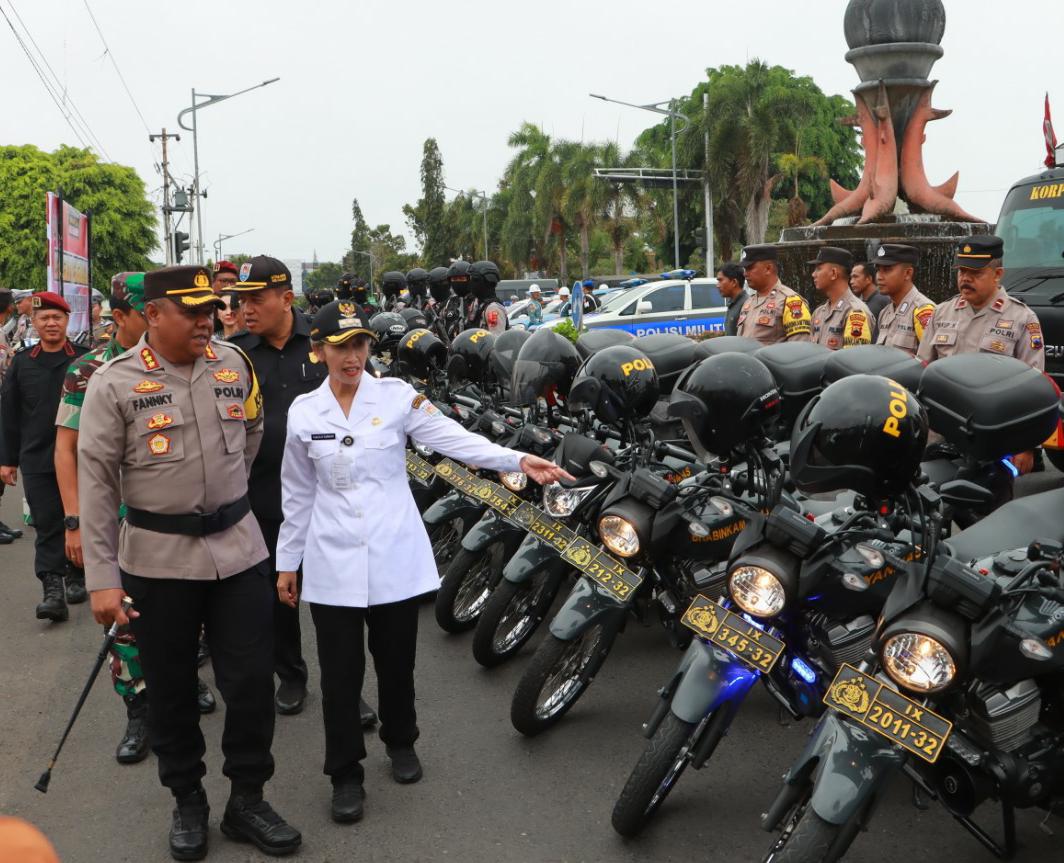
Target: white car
666, 306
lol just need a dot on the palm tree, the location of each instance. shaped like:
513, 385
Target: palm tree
520, 232
550, 211
585, 196
619, 204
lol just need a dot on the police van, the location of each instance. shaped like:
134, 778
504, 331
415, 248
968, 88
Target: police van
686, 306
1031, 225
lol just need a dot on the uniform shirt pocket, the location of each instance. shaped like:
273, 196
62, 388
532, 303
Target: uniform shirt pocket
383, 456
945, 339
998, 344
232, 418
159, 437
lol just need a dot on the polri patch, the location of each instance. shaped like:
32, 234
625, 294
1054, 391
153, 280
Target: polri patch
159, 444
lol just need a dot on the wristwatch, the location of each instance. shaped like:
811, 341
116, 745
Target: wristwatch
71, 522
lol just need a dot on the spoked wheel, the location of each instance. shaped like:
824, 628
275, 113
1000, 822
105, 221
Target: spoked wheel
446, 538
557, 675
659, 767
511, 615
467, 584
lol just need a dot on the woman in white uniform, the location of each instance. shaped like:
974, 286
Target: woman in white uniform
350, 519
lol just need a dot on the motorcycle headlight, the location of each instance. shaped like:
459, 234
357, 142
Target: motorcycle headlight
422, 451
562, 502
618, 535
514, 480
918, 662
757, 591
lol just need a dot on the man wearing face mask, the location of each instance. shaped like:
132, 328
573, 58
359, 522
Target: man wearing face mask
488, 312
457, 314
393, 283
417, 282
441, 299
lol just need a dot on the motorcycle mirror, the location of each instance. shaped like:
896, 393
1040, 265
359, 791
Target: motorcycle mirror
962, 492
1044, 549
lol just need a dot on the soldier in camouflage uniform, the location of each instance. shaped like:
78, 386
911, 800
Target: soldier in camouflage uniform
843, 321
127, 305
908, 312
775, 313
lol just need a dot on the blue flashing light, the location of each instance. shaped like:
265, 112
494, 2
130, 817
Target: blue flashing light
1011, 467
803, 671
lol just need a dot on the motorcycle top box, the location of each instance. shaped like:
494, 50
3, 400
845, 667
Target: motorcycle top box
798, 368
989, 406
883, 360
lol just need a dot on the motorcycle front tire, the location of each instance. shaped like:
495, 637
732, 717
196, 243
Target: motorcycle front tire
488, 649
476, 571
809, 842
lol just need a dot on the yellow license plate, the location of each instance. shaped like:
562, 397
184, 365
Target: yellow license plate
419, 469
717, 625
602, 568
888, 713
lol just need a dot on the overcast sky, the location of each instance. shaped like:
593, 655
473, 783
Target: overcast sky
364, 83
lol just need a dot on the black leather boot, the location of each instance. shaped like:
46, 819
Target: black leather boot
134, 744
251, 819
75, 587
188, 830
53, 606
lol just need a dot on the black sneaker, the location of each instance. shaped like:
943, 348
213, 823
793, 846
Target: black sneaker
188, 829
290, 697
13, 532
406, 767
204, 697
253, 820
347, 797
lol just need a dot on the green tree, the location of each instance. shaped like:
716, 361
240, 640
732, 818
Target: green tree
326, 275
427, 219
360, 240
520, 235
584, 197
123, 220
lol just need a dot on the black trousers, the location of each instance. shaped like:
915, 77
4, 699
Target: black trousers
341, 655
288, 662
237, 612
46, 507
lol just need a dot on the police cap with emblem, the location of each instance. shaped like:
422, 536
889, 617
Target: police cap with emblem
188, 286
339, 321
260, 272
975, 253
832, 255
753, 254
50, 300
889, 254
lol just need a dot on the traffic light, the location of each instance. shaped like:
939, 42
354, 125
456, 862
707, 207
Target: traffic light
180, 245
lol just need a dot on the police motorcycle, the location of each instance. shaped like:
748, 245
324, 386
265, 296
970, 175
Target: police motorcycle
532, 577
643, 521
477, 564
535, 575
792, 632
960, 686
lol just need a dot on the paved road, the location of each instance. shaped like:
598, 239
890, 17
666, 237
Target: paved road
488, 794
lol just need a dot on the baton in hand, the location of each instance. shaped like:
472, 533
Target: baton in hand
109, 638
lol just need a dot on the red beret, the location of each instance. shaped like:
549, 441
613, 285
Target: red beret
50, 300
225, 267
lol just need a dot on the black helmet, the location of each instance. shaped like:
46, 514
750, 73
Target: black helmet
458, 276
483, 277
321, 297
545, 368
507, 346
388, 326
617, 383
416, 281
344, 286
471, 356
439, 285
594, 341
415, 318
725, 401
420, 352
865, 432
392, 283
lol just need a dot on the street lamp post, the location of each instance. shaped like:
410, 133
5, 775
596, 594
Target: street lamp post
222, 238
210, 99
673, 115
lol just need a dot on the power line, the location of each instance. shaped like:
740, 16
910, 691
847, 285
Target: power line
57, 91
114, 62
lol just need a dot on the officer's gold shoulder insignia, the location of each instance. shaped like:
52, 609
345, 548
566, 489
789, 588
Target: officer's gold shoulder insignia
209, 353
148, 359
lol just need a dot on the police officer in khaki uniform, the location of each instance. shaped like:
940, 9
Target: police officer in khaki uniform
171, 429
982, 317
775, 313
908, 312
843, 320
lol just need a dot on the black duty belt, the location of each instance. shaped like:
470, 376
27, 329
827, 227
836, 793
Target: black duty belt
191, 524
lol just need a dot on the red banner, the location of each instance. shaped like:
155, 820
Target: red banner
68, 260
